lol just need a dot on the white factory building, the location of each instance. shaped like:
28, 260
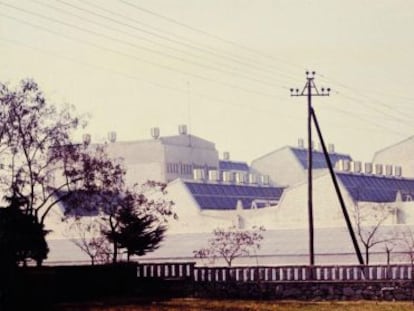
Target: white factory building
209, 192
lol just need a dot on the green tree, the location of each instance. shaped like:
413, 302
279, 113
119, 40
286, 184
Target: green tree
137, 232
133, 219
22, 237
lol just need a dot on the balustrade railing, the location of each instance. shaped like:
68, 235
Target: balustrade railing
274, 274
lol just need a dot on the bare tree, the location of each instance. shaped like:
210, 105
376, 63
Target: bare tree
368, 220
407, 243
88, 237
231, 243
40, 163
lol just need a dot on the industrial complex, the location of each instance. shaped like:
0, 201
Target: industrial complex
211, 191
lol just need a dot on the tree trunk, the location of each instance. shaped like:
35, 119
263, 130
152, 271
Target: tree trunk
39, 262
388, 256
115, 255
367, 255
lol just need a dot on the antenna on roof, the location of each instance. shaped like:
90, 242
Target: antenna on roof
189, 112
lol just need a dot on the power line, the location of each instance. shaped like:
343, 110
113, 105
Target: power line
137, 46
165, 67
203, 49
171, 20
401, 116
132, 77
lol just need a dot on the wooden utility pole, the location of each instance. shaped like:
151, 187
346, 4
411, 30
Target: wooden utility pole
309, 91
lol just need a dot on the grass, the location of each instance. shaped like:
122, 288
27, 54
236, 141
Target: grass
189, 304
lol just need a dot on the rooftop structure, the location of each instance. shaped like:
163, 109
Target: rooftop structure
227, 197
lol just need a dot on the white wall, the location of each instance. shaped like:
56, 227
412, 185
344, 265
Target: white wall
398, 154
293, 207
282, 167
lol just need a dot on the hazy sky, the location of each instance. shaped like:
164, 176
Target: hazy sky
224, 67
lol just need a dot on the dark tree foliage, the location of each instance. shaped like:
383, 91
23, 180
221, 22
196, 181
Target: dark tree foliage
22, 237
40, 163
130, 218
138, 233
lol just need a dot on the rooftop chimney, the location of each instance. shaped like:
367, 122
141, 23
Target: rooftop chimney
182, 129
112, 137
301, 143
86, 139
368, 168
155, 132
378, 169
389, 170
398, 171
226, 156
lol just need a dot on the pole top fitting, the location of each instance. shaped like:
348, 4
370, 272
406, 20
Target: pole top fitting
310, 74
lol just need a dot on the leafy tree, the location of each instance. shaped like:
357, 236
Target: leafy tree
231, 243
132, 218
21, 236
137, 232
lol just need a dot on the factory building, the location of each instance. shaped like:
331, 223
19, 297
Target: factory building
288, 165
401, 153
210, 192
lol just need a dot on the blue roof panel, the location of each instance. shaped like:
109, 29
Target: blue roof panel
318, 158
374, 188
226, 197
233, 166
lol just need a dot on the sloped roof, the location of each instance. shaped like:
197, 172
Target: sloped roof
226, 197
318, 158
187, 140
375, 188
233, 166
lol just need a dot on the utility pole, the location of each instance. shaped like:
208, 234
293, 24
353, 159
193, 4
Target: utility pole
309, 91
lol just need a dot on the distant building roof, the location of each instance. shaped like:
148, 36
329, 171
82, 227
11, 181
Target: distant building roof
318, 158
374, 188
233, 166
227, 197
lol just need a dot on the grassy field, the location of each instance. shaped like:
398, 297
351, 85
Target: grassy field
242, 305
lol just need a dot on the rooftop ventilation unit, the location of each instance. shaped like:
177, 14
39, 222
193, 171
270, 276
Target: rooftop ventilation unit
301, 143
155, 132
343, 165
182, 129
228, 177
356, 166
213, 175
331, 148
265, 180
226, 156
198, 174
368, 168
398, 171
240, 178
86, 139
253, 179
389, 169
378, 169
112, 137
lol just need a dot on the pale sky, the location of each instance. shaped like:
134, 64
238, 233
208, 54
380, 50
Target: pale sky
223, 67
